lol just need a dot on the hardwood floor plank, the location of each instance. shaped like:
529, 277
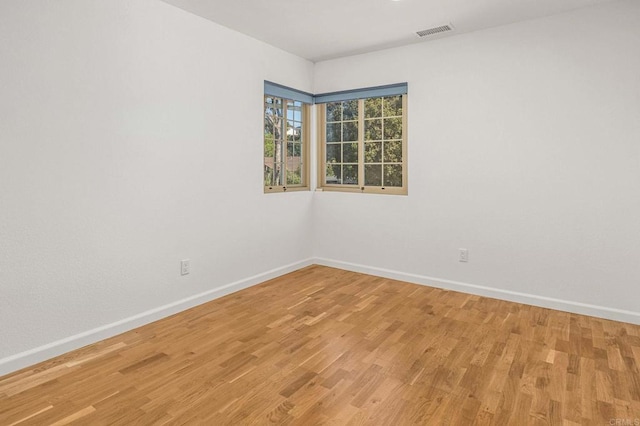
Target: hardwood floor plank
332, 347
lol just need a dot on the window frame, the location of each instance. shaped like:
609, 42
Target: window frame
305, 139
360, 187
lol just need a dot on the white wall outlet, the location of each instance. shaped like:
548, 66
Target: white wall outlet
185, 266
464, 255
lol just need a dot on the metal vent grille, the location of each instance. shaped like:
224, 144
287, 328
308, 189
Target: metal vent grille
435, 30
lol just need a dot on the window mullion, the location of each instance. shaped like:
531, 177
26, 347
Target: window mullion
302, 140
285, 141
405, 179
278, 159
361, 143
321, 142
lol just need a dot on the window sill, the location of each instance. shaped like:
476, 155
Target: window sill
366, 190
281, 189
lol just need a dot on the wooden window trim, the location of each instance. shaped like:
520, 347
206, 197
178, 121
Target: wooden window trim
361, 188
306, 138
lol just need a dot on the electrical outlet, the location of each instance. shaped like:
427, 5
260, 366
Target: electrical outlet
464, 255
185, 266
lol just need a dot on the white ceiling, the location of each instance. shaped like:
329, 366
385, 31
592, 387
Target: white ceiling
326, 29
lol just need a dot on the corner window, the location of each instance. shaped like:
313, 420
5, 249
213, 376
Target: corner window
363, 143
286, 140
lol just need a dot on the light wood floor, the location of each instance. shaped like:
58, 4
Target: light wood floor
326, 346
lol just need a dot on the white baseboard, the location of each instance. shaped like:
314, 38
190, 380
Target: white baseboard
42, 353
496, 293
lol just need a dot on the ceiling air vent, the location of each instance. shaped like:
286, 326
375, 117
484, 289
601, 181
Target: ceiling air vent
435, 30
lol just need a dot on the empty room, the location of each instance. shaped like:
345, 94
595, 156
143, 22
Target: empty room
376, 212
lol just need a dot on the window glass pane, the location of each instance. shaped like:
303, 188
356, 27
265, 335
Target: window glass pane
373, 108
350, 174
393, 106
291, 131
293, 149
278, 147
269, 148
350, 110
268, 171
393, 128
294, 163
334, 111
333, 174
333, 153
268, 174
333, 132
373, 152
350, 131
294, 171
273, 122
372, 130
393, 152
268, 128
297, 133
349, 152
373, 175
278, 170
393, 175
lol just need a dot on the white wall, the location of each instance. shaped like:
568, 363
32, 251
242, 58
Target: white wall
128, 142
524, 147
